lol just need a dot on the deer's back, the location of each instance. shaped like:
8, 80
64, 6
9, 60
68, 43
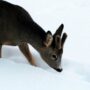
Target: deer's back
14, 22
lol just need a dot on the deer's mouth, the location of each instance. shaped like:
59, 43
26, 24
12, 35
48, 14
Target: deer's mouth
59, 69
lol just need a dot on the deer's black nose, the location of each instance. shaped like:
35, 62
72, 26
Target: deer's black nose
58, 69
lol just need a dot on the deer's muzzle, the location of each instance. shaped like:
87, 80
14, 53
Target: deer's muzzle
59, 69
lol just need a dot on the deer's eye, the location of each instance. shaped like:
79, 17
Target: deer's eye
54, 57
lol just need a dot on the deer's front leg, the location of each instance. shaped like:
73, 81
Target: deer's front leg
25, 50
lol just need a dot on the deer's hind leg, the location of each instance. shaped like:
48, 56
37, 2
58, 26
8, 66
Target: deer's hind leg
24, 48
0, 51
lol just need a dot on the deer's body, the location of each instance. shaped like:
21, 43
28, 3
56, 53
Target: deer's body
18, 28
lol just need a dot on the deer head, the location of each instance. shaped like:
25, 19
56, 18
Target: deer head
53, 48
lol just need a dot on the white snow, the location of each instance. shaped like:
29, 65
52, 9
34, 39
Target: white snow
17, 74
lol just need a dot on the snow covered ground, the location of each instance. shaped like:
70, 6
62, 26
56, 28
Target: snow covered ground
17, 74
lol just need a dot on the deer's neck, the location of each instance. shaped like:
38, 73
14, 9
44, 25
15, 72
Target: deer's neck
36, 36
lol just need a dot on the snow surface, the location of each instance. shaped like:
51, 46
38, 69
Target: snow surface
17, 74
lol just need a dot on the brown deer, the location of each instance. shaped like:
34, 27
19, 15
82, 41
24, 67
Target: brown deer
18, 28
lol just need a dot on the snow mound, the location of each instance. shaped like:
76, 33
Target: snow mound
18, 76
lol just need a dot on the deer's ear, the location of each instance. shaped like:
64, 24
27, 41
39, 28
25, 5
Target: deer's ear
59, 30
49, 39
